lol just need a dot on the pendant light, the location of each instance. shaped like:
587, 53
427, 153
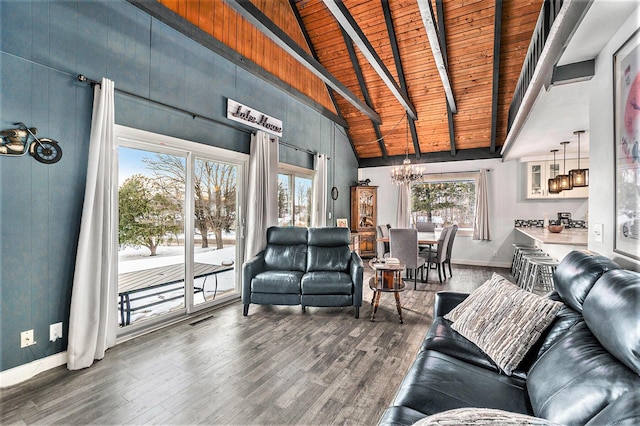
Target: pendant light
579, 177
564, 181
553, 186
406, 173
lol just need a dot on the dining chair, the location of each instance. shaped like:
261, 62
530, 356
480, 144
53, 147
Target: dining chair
438, 256
382, 248
426, 226
452, 236
403, 245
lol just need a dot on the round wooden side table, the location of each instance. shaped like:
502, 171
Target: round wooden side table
387, 278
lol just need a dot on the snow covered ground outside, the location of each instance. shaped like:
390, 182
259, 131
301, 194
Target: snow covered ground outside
137, 258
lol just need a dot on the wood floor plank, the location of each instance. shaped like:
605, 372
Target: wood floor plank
276, 366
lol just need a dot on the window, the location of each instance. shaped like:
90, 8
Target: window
445, 200
295, 196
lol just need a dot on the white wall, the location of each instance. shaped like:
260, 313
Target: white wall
601, 126
507, 203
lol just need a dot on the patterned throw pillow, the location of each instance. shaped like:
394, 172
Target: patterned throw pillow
481, 416
503, 320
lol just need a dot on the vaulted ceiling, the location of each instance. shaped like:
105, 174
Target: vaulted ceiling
376, 73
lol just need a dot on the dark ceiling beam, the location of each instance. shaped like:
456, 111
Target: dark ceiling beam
255, 16
350, 26
400, 70
573, 73
363, 87
428, 21
178, 23
433, 157
497, 37
443, 39
307, 38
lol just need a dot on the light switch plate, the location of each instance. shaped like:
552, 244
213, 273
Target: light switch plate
597, 232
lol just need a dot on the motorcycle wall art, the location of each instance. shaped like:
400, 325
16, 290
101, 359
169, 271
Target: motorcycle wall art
16, 142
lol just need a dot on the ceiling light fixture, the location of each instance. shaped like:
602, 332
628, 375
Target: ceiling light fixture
405, 173
564, 181
579, 177
553, 186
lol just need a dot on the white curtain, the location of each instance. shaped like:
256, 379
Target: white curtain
481, 225
262, 195
319, 213
404, 206
93, 319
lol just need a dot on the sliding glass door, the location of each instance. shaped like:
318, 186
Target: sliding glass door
215, 229
151, 255
179, 245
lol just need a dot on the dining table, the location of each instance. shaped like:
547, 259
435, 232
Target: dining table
424, 238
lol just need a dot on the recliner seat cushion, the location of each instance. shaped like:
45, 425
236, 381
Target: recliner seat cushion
624, 411
442, 338
577, 378
326, 282
437, 382
279, 282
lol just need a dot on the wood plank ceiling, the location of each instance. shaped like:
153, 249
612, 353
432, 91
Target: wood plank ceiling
466, 29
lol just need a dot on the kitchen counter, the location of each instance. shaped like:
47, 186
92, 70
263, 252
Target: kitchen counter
572, 237
556, 245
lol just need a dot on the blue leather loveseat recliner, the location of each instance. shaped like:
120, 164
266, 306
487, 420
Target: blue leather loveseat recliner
304, 266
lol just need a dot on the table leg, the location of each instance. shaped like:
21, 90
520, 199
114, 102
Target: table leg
399, 306
375, 307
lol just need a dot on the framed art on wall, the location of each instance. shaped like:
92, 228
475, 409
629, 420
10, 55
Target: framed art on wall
626, 74
342, 223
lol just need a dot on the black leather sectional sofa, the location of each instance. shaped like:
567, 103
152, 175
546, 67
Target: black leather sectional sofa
584, 369
304, 266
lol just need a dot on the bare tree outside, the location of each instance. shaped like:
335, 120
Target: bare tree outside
214, 192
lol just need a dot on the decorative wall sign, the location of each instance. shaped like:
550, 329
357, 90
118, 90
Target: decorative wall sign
626, 74
243, 114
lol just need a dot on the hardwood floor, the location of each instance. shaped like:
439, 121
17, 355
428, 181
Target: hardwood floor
276, 366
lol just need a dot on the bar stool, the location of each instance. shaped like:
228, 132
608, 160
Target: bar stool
519, 261
525, 266
541, 271
516, 251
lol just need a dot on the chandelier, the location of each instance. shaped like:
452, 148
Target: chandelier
406, 173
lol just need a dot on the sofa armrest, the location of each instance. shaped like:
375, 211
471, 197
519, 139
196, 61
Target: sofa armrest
250, 269
446, 301
356, 270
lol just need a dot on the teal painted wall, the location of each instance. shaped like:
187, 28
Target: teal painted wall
43, 46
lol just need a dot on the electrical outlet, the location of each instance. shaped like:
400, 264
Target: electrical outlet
26, 338
55, 331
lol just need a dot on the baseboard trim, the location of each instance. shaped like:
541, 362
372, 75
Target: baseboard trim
477, 263
21, 373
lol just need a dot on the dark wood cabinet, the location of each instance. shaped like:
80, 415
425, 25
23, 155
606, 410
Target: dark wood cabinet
364, 217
